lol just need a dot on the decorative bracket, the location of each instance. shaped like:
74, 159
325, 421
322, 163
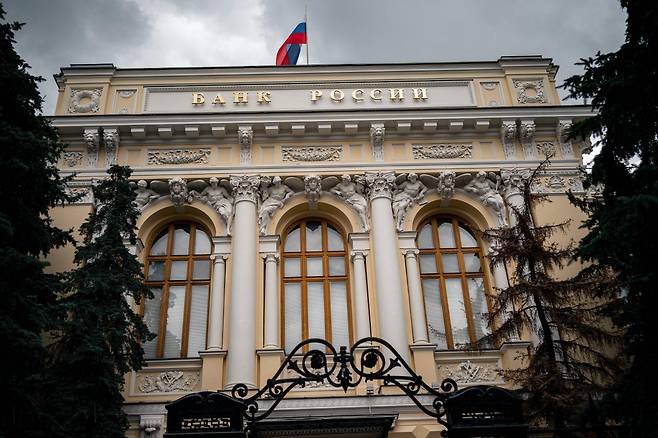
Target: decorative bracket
377, 132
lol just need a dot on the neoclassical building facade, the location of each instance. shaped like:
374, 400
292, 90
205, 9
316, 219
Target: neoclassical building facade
340, 202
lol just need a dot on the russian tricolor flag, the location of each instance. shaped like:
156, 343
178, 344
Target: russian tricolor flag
289, 51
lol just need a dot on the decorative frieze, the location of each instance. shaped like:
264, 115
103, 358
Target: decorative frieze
168, 381
72, 159
85, 101
558, 183
529, 91
441, 151
468, 372
82, 190
178, 156
311, 153
546, 149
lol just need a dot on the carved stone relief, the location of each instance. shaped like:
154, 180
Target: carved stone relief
441, 151
245, 187
311, 153
82, 190
72, 159
313, 190
245, 140
178, 156
409, 190
111, 143
92, 141
527, 133
467, 372
377, 132
566, 147
529, 91
546, 149
168, 381
508, 135
85, 101
273, 195
179, 192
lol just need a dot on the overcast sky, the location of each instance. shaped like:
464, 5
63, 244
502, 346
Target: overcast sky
158, 33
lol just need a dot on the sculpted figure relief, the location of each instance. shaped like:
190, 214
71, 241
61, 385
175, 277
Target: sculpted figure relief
144, 195
486, 188
273, 196
408, 192
352, 194
219, 198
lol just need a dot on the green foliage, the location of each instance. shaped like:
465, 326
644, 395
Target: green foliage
101, 339
29, 149
568, 362
623, 88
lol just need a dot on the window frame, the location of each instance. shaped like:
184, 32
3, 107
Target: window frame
166, 282
304, 279
459, 250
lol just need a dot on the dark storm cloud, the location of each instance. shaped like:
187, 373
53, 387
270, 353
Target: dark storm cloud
248, 32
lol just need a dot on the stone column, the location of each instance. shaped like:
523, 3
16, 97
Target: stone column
393, 327
272, 314
407, 241
242, 327
222, 248
360, 245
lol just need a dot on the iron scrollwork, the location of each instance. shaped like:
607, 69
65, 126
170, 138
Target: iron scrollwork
344, 369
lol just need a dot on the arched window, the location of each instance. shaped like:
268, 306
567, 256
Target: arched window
178, 274
315, 284
454, 282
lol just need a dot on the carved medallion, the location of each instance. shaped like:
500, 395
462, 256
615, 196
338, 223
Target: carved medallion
529, 91
85, 101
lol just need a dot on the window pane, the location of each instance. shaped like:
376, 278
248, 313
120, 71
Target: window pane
181, 240
198, 319
479, 306
293, 315
446, 236
292, 267
292, 241
434, 312
467, 238
336, 265
314, 266
339, 317
156, 271
179, 270
472, 262
160, 245
175, 313
315, 300
425, 239
152, 320
427, 264
313, 236
449, 263
201, 243
201, 270
334, 240
457, 311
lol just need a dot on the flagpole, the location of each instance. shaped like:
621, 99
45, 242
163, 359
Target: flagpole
306, 22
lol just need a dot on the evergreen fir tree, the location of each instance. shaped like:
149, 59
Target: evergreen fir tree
101, 339
29, 150
568, 362
623, 88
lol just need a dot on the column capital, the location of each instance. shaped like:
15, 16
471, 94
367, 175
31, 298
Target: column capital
380, 184
513, 180
270, 257
245, 187
358, 254
218, 258
410, 252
